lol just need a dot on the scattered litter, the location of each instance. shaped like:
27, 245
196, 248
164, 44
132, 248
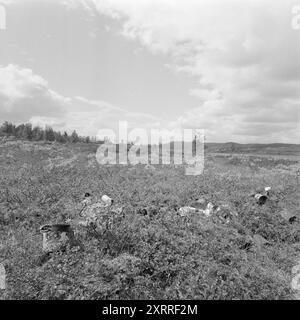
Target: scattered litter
92, 208
56, 237
183, 211
88, 200
91, 211
209, 209
267, 190
97, 213
148, 211
107, 200
260, 198
223, 211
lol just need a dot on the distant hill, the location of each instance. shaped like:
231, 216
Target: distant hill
238, 148
272, 148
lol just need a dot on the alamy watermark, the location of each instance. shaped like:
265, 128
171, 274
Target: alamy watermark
295, 23
152, 146
2, 17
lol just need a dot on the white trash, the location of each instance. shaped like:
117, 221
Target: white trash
183, 211
107, 200
267, 190
209, 209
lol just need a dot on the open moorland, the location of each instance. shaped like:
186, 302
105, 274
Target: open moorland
160, 254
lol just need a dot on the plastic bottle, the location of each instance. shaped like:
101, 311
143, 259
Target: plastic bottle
186, 210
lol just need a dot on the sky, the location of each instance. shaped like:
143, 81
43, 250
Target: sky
229, 67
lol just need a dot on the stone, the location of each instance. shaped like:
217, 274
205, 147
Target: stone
287, 215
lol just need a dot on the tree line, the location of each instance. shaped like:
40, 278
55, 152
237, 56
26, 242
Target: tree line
35, 133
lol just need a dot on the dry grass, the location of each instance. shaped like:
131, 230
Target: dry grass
163, 256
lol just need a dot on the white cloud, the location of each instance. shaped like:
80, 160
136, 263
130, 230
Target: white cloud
244, 55
27, 97
24, 94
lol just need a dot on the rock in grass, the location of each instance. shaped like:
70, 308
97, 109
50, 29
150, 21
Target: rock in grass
288, 215
260, 241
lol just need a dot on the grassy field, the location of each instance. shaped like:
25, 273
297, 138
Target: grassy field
158, 256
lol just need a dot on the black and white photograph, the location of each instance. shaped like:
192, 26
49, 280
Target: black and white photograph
149, 151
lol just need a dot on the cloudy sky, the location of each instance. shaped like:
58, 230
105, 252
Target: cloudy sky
230, 67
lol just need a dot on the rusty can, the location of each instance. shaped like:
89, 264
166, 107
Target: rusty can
56, 237
260, 198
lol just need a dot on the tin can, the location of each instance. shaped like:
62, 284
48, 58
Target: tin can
56, 237
260, 198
